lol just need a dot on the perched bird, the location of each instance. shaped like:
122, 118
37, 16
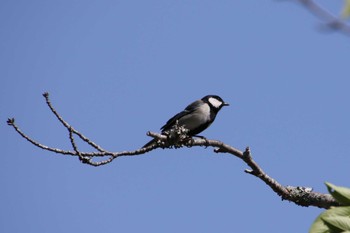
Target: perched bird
196, 117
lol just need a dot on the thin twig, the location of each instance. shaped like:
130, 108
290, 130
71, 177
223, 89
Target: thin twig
71, 137
66, 125
331, 21
11, 122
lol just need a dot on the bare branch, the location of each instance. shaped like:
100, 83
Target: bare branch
331, 21
66, 125
176, 138
302, 196
11, 122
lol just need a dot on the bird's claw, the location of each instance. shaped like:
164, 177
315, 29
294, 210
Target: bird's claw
205, 139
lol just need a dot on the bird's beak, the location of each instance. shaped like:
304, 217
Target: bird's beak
226, 104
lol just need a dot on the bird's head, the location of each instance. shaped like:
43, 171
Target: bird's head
215, 101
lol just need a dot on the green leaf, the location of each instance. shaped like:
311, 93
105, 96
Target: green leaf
346, 9
327, 221
341, 194
319, 226
339, 222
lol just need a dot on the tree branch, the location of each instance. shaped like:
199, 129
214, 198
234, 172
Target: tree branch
302, 196
332, 22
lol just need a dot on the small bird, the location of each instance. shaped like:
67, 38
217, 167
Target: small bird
196, 117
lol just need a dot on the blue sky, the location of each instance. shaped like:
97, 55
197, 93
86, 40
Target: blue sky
116, 69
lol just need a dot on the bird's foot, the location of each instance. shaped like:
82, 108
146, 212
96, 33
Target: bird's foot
188, 141
204, 138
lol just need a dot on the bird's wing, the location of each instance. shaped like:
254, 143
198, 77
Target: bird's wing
189, 109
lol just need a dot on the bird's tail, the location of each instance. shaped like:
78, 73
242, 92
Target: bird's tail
153, 141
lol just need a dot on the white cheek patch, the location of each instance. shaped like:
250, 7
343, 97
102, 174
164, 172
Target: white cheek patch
216, 103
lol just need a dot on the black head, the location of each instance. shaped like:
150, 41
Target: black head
215, 102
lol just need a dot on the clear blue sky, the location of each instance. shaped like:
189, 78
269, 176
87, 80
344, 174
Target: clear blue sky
116, 69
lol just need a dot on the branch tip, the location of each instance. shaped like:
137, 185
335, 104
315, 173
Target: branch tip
247, 153
46, 94
10, 121
251, 172
220, 150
